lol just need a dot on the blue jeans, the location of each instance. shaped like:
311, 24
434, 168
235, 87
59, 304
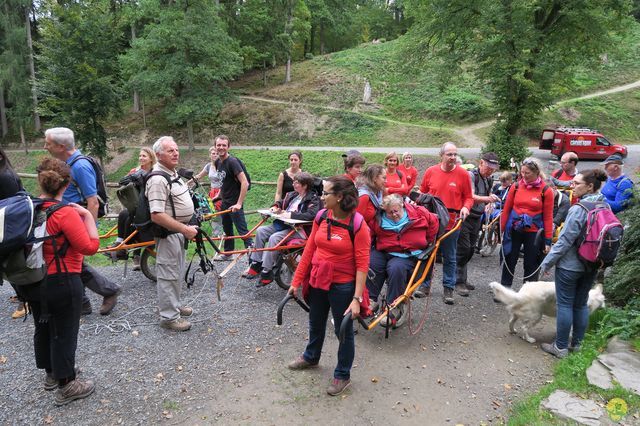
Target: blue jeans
338, 298
572, 294
237, 219
448, 250
395, 270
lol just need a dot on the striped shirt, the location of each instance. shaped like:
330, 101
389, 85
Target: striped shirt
157, 191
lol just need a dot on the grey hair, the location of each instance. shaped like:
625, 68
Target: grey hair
157, 145
61, 136
445, 146
392, 200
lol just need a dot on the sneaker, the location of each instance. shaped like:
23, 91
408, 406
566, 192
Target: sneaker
422, 292
266, 278
552, 349
469, 286
396, 318
223, 258
116, 254
252, 271
448, 296
301, 364
73, 390
20, 312
136, 263
338, 386
461, 289
186, 311
179, 324
575, 348
50, 383
108, 303
86, 308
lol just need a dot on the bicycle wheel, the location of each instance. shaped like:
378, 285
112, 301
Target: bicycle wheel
286, 267
148, 264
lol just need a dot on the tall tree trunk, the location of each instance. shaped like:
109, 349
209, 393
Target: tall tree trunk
264, 73
190, 135
136, 95
3, 114
144, 116
23, 140
287, 71
312, 40
32, 72
321, 39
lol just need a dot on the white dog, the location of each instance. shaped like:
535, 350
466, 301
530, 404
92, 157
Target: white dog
534, 300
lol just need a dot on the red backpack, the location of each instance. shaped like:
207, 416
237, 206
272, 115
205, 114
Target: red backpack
601, 239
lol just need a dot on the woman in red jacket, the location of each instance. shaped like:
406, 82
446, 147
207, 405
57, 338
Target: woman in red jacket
333, 271
56, 308
528, 209
402, 230
371, 191
396, 181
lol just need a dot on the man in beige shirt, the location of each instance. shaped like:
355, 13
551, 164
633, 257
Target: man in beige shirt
171, 210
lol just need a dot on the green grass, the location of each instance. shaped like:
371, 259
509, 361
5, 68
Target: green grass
616, 115
570, 375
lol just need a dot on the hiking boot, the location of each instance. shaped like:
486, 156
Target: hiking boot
50, 383
179, 324
252, 271
461, 289
20, 312
301, 364
396, 318
223, 258
552, 349
86, 308
76, 389
186, 311
469, 286
575, 348
266, 278
115, 254
136, 263
448, 296
422, 292
338, 386
108, 303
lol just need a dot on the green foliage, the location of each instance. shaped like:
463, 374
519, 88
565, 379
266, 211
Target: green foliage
79, 79
622, 287
506, 146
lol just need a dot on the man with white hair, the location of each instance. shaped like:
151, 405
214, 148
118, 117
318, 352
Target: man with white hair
450, 183
171, 211
618, 189
60, 142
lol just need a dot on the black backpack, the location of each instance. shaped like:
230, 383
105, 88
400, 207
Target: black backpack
142, 220
436, 206
244, 169
101, 186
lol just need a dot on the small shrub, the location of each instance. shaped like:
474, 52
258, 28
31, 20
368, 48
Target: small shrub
308, 55
506, 146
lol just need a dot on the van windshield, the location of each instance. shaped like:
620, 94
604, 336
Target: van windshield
602, 141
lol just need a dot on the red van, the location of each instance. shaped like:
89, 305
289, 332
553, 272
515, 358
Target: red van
588, 144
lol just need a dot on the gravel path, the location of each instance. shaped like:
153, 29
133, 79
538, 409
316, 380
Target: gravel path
463, 367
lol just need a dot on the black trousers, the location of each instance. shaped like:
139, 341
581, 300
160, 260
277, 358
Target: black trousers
466, 246
533, 257
55, 341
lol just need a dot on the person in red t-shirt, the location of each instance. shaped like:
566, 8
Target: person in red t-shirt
408, 170
56, 309
452, 185
353, 163
396, 180
371, 191
528, 209
333, 271
564, 175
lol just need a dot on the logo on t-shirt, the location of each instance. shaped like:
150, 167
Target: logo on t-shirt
336, 237
536, 199
452, 184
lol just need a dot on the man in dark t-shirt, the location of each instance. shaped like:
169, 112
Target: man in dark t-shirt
233, 192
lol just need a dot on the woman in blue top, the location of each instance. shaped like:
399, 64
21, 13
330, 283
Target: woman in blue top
572, 277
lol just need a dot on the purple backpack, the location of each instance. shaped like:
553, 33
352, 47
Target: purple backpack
601, 239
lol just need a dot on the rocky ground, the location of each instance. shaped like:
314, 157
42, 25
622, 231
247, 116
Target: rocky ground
462, 367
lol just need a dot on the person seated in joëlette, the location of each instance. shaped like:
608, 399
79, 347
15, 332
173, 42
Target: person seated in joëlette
402, 230
301, 204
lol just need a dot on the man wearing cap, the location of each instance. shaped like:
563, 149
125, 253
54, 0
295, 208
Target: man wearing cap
483, 199
618, 189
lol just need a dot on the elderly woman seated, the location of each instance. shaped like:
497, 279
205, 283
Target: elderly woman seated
301, 204
401, 231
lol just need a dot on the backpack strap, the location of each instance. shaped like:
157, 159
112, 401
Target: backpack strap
557, 173
626, 178
73, 181
399, 174
355, 223
170, 182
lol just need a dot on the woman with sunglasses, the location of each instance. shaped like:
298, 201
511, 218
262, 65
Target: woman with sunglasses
333, 272
573, 279
527, 210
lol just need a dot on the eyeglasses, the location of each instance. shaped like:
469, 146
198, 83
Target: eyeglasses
530, 163
325, 193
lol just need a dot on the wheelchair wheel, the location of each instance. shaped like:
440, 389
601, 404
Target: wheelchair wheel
286, 267
148, 264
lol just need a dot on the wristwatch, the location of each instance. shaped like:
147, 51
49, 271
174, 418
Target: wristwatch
359, 299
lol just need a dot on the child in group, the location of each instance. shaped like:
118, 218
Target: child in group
501, 189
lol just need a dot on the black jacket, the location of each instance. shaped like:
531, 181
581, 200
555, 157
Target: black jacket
307, 209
